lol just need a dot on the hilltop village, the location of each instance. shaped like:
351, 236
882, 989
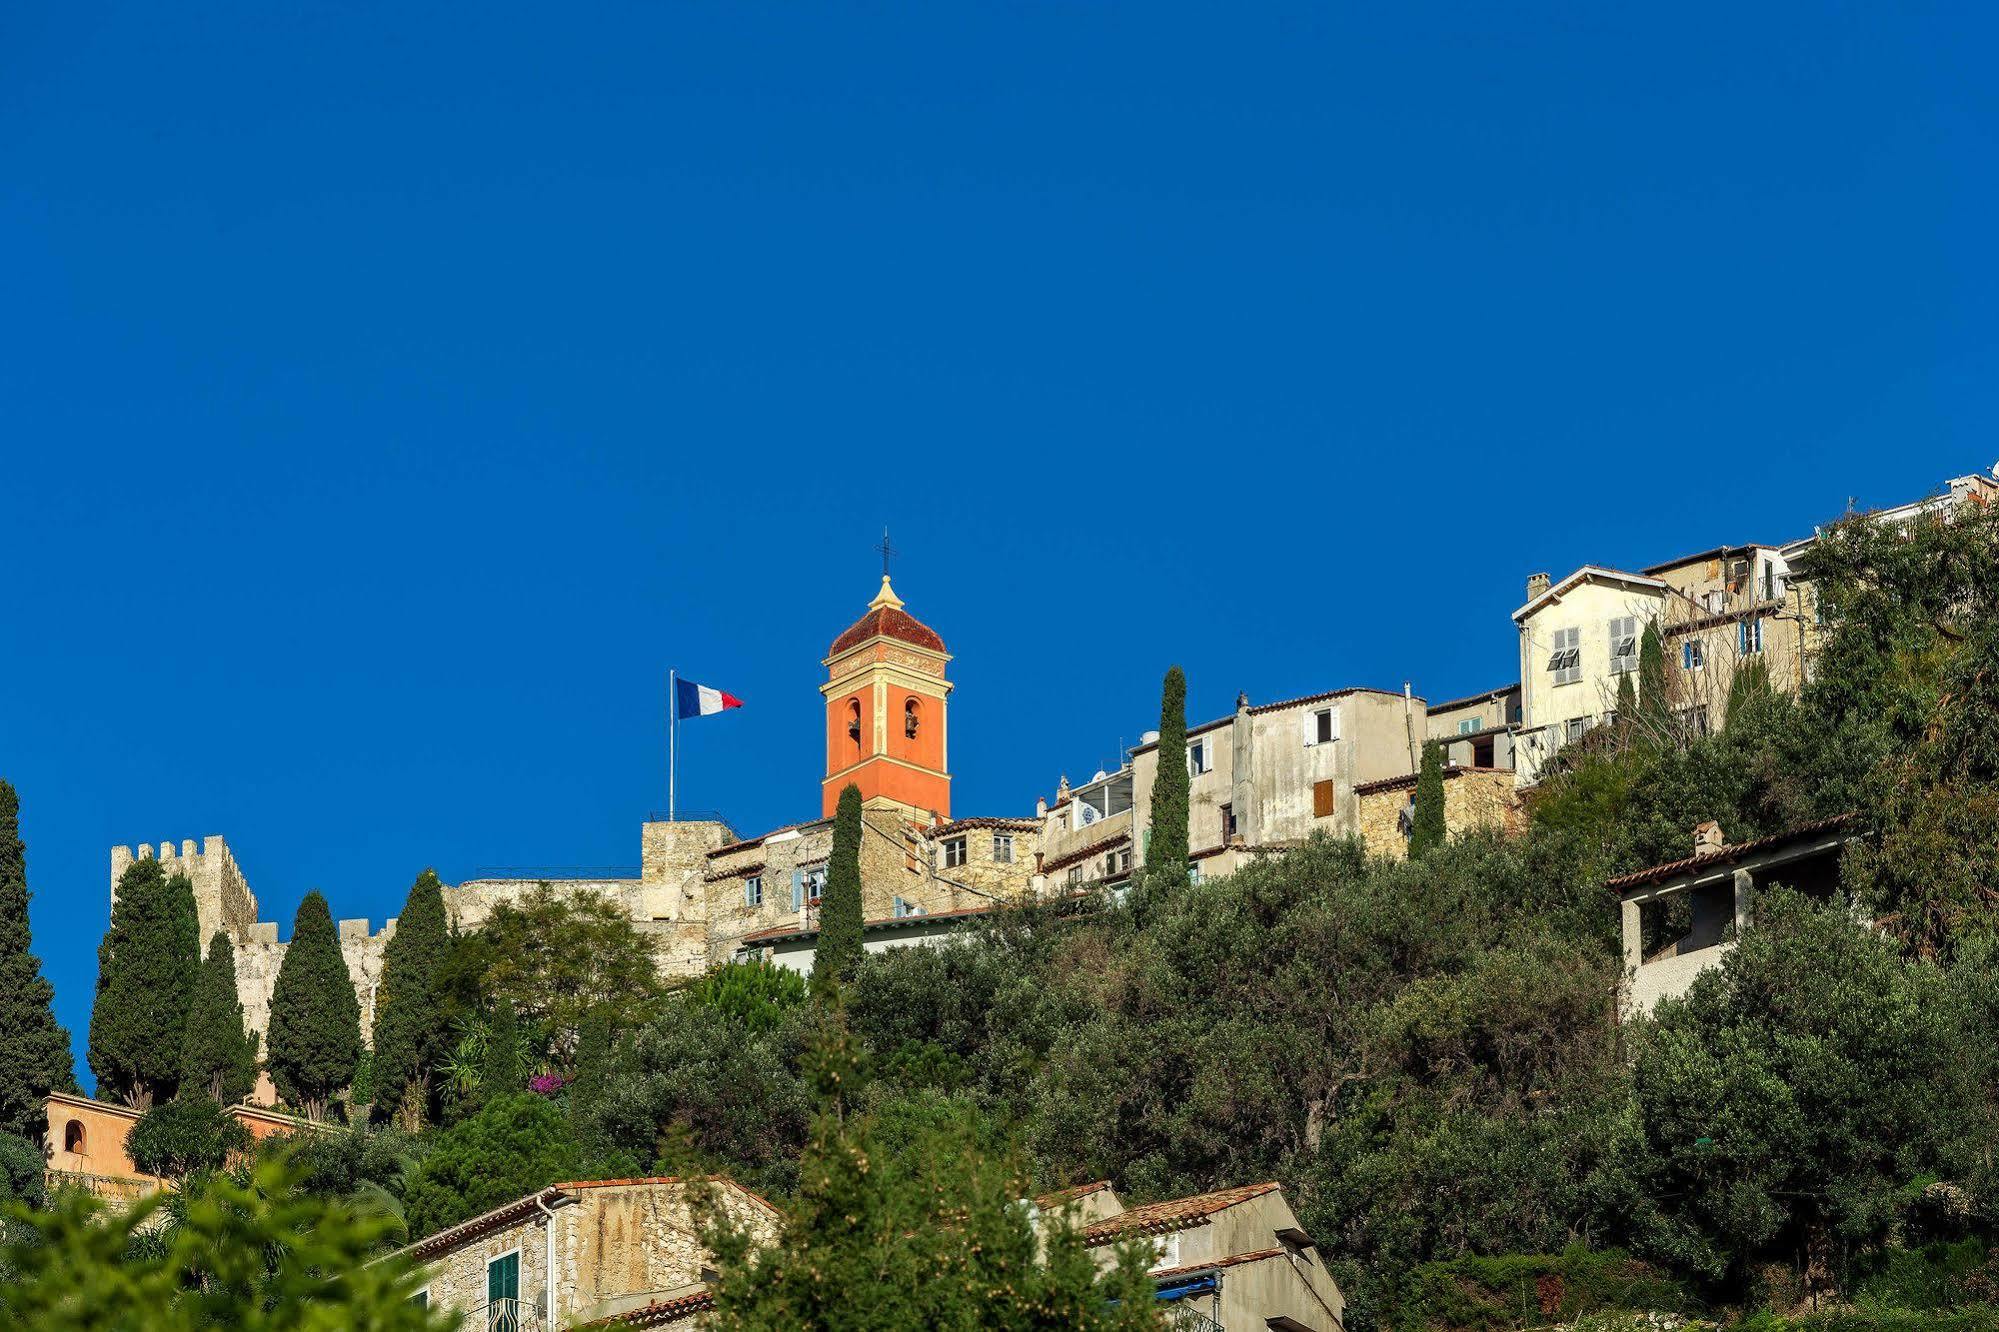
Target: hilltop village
1263, 780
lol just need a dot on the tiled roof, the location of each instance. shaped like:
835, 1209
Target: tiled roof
1062, 1197
1582, 575
1176, 1214
1233, 1260
660, 1312
1192, 731
1082, 854
1262, 708
887, 622
748, 842
734, 872
1719, 552
1720, 617
1409, 779
1002, 825
1726, 855
505, 1214
520, 1208
1451, 704
779, 933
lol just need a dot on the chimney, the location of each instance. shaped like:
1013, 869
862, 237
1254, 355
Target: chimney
1536, 585
1708, 839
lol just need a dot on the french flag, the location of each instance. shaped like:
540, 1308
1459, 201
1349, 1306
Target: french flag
694, 700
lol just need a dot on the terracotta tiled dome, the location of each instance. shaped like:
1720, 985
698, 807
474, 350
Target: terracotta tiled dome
887, 618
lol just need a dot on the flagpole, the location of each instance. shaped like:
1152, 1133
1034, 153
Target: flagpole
672, 741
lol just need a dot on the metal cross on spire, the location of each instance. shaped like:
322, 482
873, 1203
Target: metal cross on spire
887, 550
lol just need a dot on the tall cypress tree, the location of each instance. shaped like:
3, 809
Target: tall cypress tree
1166, 852
146, 968
839, 948
1426, 828
34, 1050
315, 1039
411, 1028
1653, 702
219, 1058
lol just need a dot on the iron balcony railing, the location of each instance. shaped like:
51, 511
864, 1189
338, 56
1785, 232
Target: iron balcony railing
507, 1316
1187, 1318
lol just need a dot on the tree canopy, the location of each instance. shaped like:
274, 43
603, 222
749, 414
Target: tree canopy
34, 1049
412, 1020
840, 912
146, 970
315, 1027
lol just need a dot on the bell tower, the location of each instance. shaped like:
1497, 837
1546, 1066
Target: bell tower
885, 697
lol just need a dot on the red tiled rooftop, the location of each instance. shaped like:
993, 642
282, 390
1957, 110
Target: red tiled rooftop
1175, 1214
887, 622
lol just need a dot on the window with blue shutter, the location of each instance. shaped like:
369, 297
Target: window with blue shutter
1692, 657
798, 890
1749, 636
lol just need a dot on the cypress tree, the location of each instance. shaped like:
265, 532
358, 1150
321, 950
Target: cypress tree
34, 1050
839, 948
503, 1071
1166, 852
315, 1039
1652, 699
410, 1021
1750, 684
218, 1058
1627, 702
146, 969
1426, 829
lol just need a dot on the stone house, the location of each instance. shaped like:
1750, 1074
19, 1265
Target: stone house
83, 1142
1578, 639
1679, 919
1235, 1258
1475, 799
628, 1250
1261, 780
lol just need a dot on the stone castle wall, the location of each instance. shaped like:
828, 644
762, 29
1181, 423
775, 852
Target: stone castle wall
1474, 799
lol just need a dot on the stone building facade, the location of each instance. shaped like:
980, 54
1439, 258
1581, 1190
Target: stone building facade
617, 1248
1475, 799
1261, 780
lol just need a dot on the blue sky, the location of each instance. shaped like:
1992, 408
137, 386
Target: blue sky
387, 399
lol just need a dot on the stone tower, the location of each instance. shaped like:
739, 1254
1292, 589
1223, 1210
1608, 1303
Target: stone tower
885, 703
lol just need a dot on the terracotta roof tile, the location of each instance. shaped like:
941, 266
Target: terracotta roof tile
1082, 854
1062, 1196
983, 821
1409, 779
887, 622
1176, 1214
1727, 855
750, 842
660, 1312
1233, 1260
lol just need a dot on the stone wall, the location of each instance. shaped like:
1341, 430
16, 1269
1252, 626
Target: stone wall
983, 877
619, 1244
222, 898
1474, 798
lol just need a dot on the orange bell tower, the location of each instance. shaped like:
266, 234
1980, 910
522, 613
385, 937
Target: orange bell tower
885, 702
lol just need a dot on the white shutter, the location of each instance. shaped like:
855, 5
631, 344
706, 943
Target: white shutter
1311, 728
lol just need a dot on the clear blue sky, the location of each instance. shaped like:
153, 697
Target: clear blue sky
388, 398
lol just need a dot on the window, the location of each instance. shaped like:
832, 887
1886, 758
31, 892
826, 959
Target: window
954, 852
1002, 848
72, 1136
1193, 874
1749, 636
1471, 726
1199, 759
912, 711
1692, 655
1566, 661
1576, 727
1714, 602
421, 1299
1322, 800
904, 907
503, 1292
1117, 862
753, 891
1228, 823
1623, 644
807, 883
1075, 874
1322, 727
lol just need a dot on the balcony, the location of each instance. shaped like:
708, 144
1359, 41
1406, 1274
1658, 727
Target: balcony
507, 1316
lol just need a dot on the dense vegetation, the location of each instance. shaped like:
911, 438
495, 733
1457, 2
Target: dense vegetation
1426, 1053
